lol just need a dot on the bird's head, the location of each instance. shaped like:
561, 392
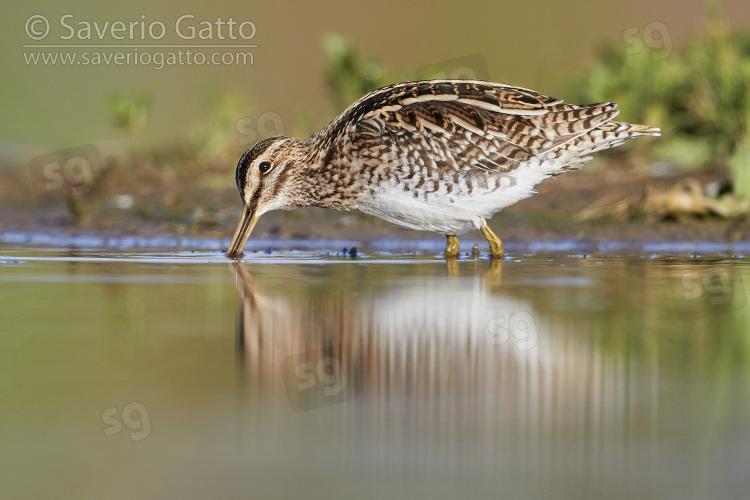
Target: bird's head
265, 184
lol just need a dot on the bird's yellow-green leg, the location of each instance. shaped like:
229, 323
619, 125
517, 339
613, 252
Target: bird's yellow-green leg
496, 246
451, 247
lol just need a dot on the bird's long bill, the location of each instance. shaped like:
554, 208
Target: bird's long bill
244, 228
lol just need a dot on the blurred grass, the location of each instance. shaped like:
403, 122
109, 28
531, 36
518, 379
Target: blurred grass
350, 74
699, 95
131, 113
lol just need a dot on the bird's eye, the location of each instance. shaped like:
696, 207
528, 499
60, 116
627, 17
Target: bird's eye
264, 166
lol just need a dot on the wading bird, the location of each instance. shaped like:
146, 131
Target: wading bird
438, 155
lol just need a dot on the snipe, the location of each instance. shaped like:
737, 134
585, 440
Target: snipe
439, 155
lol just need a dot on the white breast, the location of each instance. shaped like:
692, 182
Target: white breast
456, 211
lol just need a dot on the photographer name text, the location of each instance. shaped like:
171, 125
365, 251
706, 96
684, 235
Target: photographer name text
185, 27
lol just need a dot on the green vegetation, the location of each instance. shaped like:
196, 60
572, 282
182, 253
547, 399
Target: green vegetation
215, 137
700, 96
349, 74
131, 114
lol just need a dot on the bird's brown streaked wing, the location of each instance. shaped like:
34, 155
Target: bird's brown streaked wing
461, 125
489, 95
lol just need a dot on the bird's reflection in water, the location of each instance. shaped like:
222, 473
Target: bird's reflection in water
436, 359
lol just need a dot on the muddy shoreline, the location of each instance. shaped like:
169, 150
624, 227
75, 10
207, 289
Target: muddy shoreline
552, 215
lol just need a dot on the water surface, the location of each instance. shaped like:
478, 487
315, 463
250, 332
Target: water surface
303, 375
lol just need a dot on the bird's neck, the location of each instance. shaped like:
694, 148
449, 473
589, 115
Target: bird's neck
325, 179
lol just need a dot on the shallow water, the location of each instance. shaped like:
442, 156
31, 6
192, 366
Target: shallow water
298, 374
